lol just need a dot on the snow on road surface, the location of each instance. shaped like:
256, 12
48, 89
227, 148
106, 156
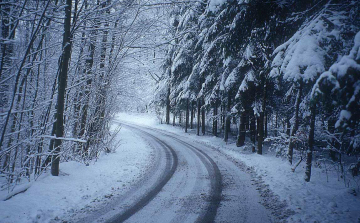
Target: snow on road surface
80, 188
160, 174
320, 200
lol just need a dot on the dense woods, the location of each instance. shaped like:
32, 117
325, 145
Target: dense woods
280, 73
60, 65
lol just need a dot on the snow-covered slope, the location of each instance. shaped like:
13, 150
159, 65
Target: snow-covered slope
79, 187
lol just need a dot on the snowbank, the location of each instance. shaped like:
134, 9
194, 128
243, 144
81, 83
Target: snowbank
79, 186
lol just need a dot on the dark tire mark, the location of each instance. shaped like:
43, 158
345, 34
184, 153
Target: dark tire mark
214, 173
216, 181
170, 155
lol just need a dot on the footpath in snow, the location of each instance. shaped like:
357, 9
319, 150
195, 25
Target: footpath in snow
79, 187
324, 199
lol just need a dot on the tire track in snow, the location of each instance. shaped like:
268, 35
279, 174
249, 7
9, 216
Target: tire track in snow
214, 174
170, 156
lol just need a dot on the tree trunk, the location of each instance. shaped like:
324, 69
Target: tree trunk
288, 126
192, 115
276, 125
215, 119
174, 119
223, 116
334, 143
88, 65
187, 115
265, 125
253, 131
228, 118
198, 117
62, 82
260, 128
203, 118
296, 124
311, 143
167, 118
241, 136
6, 48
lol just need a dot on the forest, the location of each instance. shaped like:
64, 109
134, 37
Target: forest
280, 73
59, 80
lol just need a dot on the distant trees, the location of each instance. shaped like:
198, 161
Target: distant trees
263, 67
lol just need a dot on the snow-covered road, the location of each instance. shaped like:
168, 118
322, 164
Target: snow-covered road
186, 183
161, 174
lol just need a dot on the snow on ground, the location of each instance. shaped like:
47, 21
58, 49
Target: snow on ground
316, 201
79, 186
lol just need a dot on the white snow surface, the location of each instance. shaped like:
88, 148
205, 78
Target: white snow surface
78, 186
316, 201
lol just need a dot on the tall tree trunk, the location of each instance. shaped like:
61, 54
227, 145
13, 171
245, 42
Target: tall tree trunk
7, 26
276, 125
228, 118
203, 117
288, 125
174, 119
260, 129
187, 115
311, 143
253, 131
62, 82
241, 135
296, 124
215, 112
167, 117
223, 116
334, 143
96, 129
198, 116
265, 125
262, 116
89, 76
192, 115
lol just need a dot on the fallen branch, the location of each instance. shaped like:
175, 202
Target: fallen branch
296, 165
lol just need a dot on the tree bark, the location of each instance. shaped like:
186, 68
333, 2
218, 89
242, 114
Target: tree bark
253, 131
215, 111
203, 118
241, 136
288, 126
192, 115
198, 117
227, 119
260, 128
334, 143
265, 125
187, 115
174, 119
296, 124
167, 118
311, 143
62, 82
276, 124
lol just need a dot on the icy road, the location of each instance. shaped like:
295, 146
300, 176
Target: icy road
186, 182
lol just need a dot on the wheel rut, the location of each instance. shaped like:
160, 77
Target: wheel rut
170, 155
213, 202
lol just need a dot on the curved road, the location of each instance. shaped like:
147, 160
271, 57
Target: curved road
188, 182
